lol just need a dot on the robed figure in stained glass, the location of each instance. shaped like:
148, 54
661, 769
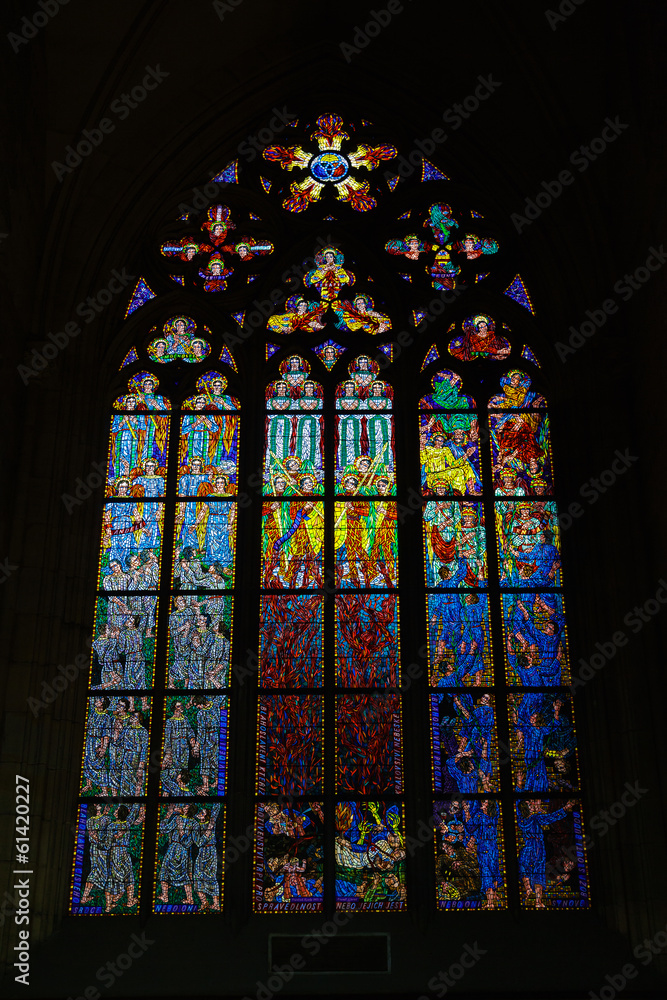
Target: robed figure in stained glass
179, 825
533, 820
205, 875
329, 276
448, 445
479, 340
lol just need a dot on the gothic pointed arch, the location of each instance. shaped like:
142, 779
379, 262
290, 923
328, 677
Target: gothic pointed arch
325, 292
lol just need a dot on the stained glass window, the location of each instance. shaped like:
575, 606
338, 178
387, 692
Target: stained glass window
316, 568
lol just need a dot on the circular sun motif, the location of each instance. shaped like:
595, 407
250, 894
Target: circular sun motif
329, 166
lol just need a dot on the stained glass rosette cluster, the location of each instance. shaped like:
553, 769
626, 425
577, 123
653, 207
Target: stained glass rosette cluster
444, 245
210, 255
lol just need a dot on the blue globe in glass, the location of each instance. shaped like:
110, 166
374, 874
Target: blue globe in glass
329, 166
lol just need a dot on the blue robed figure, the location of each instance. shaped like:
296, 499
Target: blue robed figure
532, 822
483, 826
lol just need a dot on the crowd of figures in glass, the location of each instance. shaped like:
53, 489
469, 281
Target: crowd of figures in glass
183, 485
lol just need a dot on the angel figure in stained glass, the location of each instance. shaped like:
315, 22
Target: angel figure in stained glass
442, 222
516, 394
146, 395
215, 274
301, 314
199, 436
479, 340
177, 334
151, 482
409, 246
473, 247
185, 249
128, 436
329, 276
217, 521
360, 314
218, 223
